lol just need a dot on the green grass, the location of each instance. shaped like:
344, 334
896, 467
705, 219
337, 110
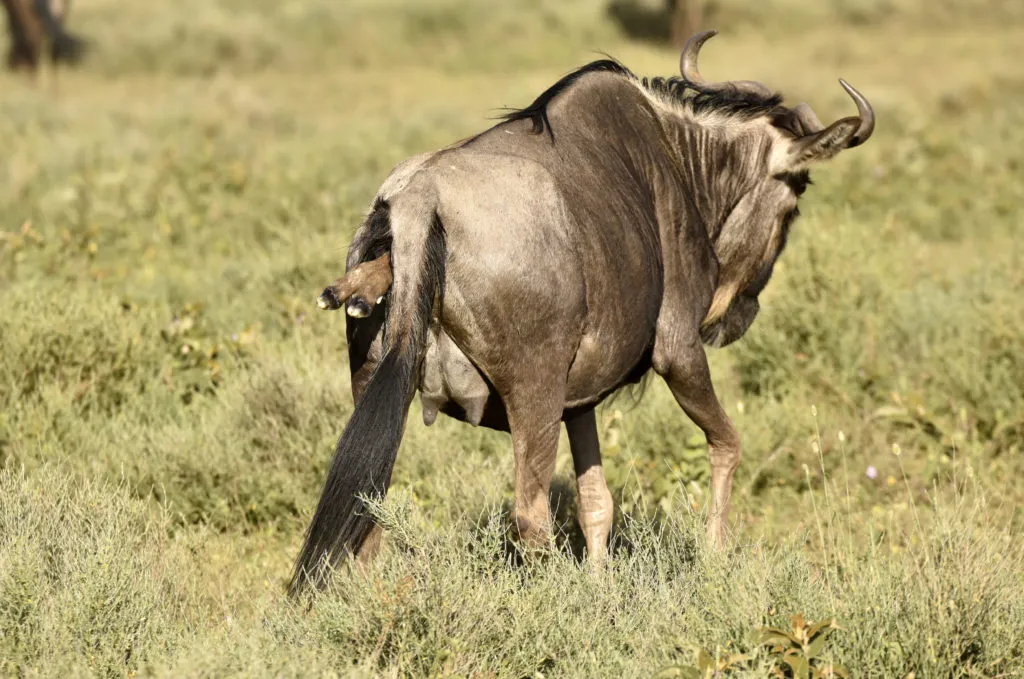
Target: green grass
170, 395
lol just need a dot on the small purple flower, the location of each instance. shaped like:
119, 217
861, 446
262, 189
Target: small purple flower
872, 473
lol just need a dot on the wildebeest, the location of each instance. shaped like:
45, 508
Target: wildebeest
615, 225
30, 23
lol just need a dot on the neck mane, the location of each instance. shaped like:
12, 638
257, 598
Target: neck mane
720, 139
722, 143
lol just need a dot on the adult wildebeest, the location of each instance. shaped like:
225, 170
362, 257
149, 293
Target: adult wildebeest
615, 225
30, 23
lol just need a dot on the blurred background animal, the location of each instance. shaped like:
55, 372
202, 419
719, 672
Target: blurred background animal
659, 21
35, 24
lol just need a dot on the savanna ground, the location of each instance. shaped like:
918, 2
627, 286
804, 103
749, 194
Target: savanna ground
170, 395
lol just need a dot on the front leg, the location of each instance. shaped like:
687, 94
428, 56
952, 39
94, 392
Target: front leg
685, 369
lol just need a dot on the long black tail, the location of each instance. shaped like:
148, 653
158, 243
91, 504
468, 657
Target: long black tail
365, 454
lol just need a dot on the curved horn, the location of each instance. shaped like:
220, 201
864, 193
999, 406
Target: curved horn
805, 114
688, 59
689, 71
864, 111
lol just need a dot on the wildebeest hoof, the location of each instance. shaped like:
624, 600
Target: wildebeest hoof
328, 300
358, 308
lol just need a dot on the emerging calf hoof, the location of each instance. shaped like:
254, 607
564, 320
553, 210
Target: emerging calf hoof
357, 289
328, 300
358, 308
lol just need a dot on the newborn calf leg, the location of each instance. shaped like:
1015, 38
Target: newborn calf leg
359, 290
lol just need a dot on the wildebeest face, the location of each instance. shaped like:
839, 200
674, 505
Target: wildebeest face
769, 149
756, 232
752, 248
761, 235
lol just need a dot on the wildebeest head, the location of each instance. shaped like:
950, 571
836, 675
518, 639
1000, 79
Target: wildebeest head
750, 163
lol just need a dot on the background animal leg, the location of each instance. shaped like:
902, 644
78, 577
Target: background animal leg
535, 428
689, 378
596, 507
26, 35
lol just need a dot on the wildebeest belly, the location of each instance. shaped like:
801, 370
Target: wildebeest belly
450, 382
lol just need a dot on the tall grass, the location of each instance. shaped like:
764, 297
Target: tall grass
94, 581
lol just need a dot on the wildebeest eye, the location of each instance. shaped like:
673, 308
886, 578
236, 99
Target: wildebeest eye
797, 181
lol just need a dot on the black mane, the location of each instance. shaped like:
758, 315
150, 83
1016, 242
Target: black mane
745, 105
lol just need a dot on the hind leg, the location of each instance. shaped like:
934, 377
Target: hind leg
365, 350
596, 507
535, 419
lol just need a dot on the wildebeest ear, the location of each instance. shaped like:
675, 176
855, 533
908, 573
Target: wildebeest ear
822, 145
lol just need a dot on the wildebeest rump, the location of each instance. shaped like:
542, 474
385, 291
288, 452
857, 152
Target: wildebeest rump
613, 226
